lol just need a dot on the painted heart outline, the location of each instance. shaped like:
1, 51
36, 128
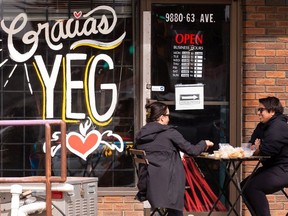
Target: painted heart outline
83, 146
77, 14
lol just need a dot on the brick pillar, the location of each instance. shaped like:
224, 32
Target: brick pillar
265, 57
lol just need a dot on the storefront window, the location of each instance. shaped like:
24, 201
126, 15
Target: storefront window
69, 60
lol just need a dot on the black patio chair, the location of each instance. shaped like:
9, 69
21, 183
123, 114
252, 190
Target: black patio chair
139, 158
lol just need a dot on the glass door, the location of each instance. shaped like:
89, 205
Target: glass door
190, 50
187, 55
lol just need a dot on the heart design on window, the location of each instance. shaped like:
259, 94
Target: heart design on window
83, 146
77, 15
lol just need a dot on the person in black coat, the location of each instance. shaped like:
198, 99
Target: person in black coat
162, 183
269, 138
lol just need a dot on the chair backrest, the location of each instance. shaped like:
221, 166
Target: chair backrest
139, 156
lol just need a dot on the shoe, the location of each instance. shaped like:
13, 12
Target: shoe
140, 197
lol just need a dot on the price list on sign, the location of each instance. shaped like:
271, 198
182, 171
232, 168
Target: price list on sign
187, 61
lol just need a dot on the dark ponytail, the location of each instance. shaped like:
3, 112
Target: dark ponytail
155, 110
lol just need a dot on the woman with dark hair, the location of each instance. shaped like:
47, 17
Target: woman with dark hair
269, 138
163, 182
270, 103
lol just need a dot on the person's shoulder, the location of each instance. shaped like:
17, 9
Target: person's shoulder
282, 118
173, 131
281, 124
171, 127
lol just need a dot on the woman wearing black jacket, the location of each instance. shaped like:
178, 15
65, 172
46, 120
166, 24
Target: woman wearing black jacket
163, 183
269, 138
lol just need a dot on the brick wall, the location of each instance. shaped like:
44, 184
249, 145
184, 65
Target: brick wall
264, 56
119, 206
265, 68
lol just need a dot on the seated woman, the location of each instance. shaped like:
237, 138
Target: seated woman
269, 138
163, 182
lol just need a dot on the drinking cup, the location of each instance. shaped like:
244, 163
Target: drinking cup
217, 154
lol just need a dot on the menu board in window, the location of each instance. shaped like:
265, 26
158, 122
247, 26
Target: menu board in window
190, 44
187, 54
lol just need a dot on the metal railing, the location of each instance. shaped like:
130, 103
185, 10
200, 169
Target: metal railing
48, 179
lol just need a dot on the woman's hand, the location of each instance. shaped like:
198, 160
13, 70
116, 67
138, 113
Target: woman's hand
257, 142
255, 147
208, 144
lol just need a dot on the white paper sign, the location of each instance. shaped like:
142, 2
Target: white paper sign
189, 96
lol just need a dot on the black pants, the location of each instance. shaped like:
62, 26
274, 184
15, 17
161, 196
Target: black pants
173, 212
264, 181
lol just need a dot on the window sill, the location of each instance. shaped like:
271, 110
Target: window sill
117, 191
